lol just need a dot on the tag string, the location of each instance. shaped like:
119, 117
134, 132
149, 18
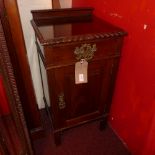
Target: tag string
82, 60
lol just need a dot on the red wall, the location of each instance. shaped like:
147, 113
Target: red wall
4, 109
133, 110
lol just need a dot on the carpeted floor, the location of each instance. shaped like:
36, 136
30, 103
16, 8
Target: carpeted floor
84, 140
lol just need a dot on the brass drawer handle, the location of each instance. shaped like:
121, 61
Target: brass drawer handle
61, 101
86, 51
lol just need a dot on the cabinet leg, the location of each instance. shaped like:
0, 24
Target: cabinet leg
57, 138
103, 123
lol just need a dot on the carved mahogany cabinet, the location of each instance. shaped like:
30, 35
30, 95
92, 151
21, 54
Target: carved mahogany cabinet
64, 37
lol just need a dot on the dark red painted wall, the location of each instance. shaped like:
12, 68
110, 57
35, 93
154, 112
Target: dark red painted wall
133, 110
4, 109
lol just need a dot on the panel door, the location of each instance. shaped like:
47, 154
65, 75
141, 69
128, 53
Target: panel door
73, 104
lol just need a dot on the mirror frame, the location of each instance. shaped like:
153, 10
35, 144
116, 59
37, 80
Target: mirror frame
6, 70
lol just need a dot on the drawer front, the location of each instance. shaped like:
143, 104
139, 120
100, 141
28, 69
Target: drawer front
75, 103
65, 55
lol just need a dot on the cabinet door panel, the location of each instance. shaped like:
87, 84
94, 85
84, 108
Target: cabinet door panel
82, 101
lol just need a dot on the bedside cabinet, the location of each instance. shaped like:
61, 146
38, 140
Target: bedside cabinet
67, 36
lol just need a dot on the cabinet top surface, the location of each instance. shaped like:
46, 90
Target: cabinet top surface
55, 33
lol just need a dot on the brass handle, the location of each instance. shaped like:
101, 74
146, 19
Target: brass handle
61, 101
86, 51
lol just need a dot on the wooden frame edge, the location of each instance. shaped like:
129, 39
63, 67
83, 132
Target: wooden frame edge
13, 96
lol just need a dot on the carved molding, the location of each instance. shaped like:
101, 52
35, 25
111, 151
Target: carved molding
76, 38
80, 38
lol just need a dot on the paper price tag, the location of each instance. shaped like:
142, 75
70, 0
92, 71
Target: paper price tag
81, 68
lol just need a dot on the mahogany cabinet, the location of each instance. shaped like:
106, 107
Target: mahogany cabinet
64, 37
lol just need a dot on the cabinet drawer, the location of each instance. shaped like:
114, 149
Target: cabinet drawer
64, 55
